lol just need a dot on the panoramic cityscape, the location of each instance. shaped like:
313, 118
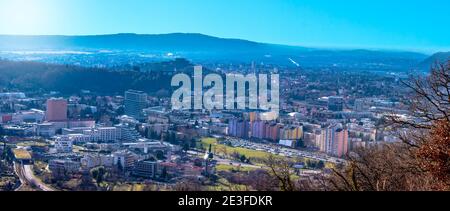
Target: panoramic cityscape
96, 109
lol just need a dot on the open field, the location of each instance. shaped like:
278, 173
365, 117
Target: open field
32, 144
223, 167
224, 185
136, 187
22, 154
225, 150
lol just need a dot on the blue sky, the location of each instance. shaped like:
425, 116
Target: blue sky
421, 25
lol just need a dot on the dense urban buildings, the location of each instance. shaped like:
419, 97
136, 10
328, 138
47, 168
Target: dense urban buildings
104, 120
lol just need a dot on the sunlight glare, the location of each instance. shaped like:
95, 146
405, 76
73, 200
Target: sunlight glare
23, 16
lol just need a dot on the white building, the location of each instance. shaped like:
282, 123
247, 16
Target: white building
63, 166
125, 159
109, 133
100, 134
63, 144
91, 161
46, 129
32, 115
12, 95
128, 133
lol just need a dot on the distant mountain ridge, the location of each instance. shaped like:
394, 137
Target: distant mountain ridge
199, 47
439, 57
125, 41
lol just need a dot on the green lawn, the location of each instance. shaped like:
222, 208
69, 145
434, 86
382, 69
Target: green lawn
123, 187
223, 167
207, 141
224, 185
22, 154
32, 144
221, 149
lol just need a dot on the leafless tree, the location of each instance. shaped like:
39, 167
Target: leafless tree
422, 160
281, 169
188, 185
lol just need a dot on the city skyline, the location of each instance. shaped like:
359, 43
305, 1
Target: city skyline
371, 25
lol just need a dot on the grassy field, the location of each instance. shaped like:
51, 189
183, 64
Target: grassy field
123, 187
257, 156
224, 185
223, 167
138, 187
22, 154
78, 149
129, 187
228, 150
32, 144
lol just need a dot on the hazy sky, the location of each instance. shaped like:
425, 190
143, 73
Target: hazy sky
421, 25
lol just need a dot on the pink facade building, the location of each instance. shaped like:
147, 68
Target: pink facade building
334, 141
341, 142
56, 110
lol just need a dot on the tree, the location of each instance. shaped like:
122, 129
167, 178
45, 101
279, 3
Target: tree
235, 155
422, 160
3, 166
435, 154
188, 185
120, 111
243, 158
428, 131
311, 164
164, 174
153, 135
147, 133
94, 173
101, 174
261, 180
87, 112
166, 137
186, 147
221, 150
193, 143
9, 186
385, 168
4, 154
98, 174
120, 166
321, 165
86, 181
160, 155
173, 138
281, 170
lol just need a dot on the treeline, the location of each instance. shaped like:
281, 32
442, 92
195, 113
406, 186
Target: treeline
69, 79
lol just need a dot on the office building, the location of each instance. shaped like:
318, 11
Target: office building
63, 144
334, 140
335, 103
146, 169
56, 110
135, 102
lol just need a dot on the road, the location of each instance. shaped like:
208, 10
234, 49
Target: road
30, 177
27, 177
23, 181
